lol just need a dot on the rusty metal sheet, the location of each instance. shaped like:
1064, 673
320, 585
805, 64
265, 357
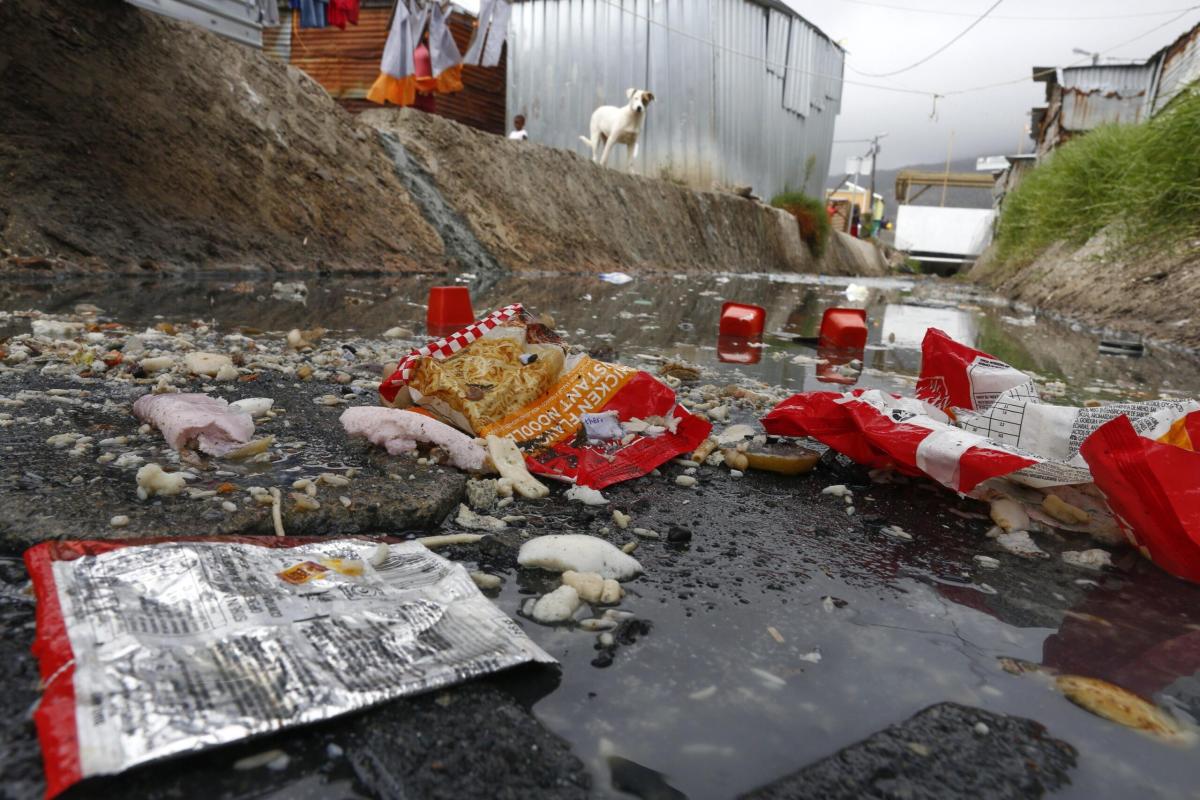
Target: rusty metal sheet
346, 63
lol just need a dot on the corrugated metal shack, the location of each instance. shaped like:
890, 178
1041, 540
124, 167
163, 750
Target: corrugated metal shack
346, 63
746, 91
1080, 99
1180, 67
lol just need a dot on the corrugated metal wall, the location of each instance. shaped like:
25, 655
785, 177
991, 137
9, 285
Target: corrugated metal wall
346, 63
1181, 66
721, 113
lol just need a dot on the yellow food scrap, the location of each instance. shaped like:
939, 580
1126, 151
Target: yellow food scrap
1115, 704
1064, 512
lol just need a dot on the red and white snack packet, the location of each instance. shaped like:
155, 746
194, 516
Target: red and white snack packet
156, 648
978, 426
634, 422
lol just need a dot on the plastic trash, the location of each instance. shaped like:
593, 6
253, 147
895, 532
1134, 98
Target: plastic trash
509, 375
978, 426
616, 278
153, 650
449, 309
741, 320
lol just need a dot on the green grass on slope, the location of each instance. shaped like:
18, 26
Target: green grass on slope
1144, 180
810, 215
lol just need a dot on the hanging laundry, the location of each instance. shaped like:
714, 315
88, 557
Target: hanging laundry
313, 13
493, 26
341, 12
397, 81
447, 61
426, 83
268, 13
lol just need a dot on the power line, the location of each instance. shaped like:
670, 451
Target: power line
1011, 17
881, 87
1080, 62
760, 59
937, 52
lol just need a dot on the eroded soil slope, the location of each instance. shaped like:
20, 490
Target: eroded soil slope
134, 142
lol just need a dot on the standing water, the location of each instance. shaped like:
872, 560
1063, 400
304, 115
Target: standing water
783, 636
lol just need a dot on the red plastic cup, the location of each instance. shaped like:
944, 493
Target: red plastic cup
449, 310
741, 320
738, 350
844, 329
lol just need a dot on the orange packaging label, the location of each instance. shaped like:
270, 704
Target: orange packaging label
1179, 435
302, 572
558, 415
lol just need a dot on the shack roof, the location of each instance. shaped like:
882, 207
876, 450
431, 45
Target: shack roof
782, 8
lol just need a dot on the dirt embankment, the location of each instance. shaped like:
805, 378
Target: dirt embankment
536, 207
131, 142
1156, 294
135, 142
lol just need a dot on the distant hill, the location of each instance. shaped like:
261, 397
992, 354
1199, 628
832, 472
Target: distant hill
885, 184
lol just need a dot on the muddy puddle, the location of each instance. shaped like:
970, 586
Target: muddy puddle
650, 319
786, 630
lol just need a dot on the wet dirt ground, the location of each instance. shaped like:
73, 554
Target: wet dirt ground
782, 632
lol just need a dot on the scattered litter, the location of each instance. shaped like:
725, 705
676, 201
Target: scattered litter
813, 657
151, 481
775, 634
101, 593
615, 278
838, 490
704, 694
586, 495
769, 679
602, 426
1009, 515
1120, 706
578, 552
481, 494
486, 581
987, 562
896, 532
557, 606
398, 431
266, 758
510, 463
646, 533
254, 406
53, 329
704, 450
982, 729
1020, 543
621, 519
119, 521
207, 364
1064, 512
686, 481
1101, 463
277, 511
593, 588
734, 434
510, 375
209, 422
856, 293
1088, 559
449, 540
478, 522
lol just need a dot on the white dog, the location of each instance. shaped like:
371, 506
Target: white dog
612, 125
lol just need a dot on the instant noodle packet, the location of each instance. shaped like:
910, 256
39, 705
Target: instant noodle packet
509, 376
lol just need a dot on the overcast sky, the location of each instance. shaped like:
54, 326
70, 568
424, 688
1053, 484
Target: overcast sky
880, 40
1004, 47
